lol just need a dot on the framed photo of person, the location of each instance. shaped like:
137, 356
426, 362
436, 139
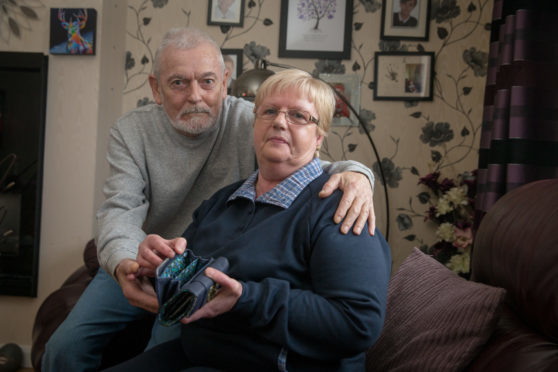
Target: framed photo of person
225, 12
404, 76
349, 86
316, 29
233, 63
405, 20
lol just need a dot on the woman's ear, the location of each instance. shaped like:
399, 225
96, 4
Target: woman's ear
319, 141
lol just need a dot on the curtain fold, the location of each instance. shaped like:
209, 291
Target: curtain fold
519, 137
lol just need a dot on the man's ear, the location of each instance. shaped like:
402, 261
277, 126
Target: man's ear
225, 79
154, 83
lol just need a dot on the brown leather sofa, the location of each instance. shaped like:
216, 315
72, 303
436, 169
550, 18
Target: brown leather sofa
124, 345
516, 248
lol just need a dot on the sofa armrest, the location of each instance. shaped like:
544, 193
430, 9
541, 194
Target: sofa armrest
54, 309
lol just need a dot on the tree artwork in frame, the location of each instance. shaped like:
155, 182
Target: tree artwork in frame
225, 13
405, 20
316, 29
403, 76
349, 86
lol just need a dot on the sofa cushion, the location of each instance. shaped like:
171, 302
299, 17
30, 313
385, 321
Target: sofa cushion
435, 320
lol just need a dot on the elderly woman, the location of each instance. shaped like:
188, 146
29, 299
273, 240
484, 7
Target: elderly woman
299, 295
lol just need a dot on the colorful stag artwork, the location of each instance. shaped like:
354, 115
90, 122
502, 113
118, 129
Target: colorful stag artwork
71, 33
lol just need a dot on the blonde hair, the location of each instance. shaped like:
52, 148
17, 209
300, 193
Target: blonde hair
317, 91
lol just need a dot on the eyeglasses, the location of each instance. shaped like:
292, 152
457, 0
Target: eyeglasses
294, 116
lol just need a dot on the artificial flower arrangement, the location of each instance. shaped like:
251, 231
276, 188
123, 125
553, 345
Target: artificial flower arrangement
452, 209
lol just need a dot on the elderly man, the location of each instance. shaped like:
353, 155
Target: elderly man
165, 159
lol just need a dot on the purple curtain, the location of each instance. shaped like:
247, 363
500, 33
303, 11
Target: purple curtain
519, 140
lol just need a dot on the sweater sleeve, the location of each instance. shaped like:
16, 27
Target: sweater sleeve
348, 166
341, 313
122, 214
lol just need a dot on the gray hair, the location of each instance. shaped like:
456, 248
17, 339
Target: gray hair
184, 38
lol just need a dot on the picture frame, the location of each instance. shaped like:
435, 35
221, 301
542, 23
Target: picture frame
403, 76
236, 57
225, 13
349, 86
73, 31
416, 27
304, 34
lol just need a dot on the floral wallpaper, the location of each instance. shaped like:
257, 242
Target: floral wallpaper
414, 141
17, 17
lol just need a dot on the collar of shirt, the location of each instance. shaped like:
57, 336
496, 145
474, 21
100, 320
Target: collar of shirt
286, 191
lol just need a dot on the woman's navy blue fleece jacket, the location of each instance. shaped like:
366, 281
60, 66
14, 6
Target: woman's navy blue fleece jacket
309, 292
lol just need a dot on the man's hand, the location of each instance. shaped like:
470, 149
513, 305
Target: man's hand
154, 249
227, 296
357, 200
137, 289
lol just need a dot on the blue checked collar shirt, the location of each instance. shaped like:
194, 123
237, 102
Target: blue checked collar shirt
286, 191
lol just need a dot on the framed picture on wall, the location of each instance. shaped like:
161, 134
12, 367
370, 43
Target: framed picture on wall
233, 63
73, 31
225, 12
404, 76
405, 20
316, 29
349, 86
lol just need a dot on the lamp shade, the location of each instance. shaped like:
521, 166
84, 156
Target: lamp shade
247, 84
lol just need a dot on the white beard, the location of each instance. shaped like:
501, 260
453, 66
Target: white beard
194, 126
